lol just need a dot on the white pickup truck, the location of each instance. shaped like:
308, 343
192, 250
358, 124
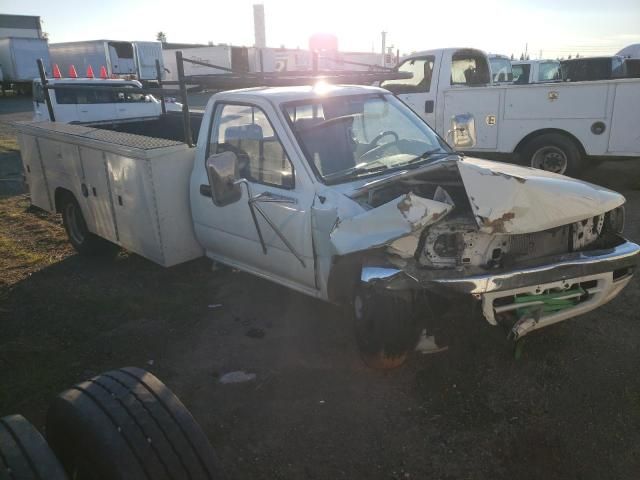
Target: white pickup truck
98, 105
342, 193
559, 127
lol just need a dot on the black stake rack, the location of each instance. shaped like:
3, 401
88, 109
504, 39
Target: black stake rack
230, 80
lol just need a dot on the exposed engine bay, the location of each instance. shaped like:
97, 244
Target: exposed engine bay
462, 237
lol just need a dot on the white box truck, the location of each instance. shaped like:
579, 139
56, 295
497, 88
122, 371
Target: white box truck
120, 58
342, 193
18, 58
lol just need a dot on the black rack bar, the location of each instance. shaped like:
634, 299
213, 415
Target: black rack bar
43, 81
186, 118
360, 64
113, 88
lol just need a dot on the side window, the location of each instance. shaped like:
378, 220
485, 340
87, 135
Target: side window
469, 68
246, 131
65, 97
420, 82
549, 71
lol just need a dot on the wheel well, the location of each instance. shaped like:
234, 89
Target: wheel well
538, 133
59, 195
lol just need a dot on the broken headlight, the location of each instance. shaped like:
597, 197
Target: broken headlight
614, 220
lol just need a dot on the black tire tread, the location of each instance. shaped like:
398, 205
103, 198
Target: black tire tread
161, 438
93, 245
24, 454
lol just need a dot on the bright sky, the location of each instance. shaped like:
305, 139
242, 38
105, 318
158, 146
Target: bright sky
555, 27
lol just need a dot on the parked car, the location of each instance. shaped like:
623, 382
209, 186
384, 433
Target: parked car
593, 68
559, 127
82, 105
345, 194
501, 69
536, 71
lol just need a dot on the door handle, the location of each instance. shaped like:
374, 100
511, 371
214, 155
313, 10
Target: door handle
205, 190
428, 106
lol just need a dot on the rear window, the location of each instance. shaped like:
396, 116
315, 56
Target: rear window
469, 68
420, 68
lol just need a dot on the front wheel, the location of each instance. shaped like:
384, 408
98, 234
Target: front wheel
386, 327
555, 153
79, 235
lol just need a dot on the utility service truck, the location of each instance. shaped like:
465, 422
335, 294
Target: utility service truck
345, 194
559, 127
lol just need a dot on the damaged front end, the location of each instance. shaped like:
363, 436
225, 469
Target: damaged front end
534, 247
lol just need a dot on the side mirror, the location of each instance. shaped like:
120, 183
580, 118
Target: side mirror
223, 173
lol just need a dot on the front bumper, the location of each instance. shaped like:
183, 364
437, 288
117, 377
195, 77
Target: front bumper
608, 269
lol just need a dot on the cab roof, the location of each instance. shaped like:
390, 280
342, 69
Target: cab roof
291, 94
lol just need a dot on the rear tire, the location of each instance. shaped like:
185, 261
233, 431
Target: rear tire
554, 152
386, 327
127, 424
24, 454
80, 237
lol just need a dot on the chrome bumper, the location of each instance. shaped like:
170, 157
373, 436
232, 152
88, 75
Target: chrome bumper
625, 255
601, 274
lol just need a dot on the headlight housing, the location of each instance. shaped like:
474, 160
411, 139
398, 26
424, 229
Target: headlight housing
614, 220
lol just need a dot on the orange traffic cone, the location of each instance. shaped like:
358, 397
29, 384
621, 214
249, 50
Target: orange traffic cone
90, 72
72, 72
56, 71
103, 72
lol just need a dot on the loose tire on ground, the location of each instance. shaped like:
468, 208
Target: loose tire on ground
79, 235
386, 327
24, 454
554, 152
127, 424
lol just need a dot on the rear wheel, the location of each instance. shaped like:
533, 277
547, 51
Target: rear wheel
79, 235
555, 153
127, 424
24, 454
386, 327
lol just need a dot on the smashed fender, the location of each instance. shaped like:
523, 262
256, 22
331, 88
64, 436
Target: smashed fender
398, 218
507, 198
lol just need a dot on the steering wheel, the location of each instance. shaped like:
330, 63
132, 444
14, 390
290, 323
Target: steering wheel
378, 148
377, 138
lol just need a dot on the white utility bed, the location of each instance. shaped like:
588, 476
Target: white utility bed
133, 190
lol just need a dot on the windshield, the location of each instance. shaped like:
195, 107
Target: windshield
352, 136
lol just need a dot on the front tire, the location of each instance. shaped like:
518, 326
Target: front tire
80, 237
386, 327
555, 153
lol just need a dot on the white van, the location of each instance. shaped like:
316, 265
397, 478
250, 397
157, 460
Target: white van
84, 106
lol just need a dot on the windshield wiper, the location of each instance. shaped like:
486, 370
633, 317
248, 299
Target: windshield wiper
428, 154
354, 172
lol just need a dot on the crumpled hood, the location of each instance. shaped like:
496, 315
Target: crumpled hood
507, 198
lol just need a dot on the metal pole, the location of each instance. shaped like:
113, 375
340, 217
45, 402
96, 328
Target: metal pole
159, 76
43, 81
186, 119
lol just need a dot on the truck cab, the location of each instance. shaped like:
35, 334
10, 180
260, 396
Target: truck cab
536, 71
85, 106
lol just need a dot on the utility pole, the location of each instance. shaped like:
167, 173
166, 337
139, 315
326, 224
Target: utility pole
384, 50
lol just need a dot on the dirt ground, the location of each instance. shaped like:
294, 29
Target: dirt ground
569, 408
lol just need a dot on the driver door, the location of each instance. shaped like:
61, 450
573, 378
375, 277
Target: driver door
272, 237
